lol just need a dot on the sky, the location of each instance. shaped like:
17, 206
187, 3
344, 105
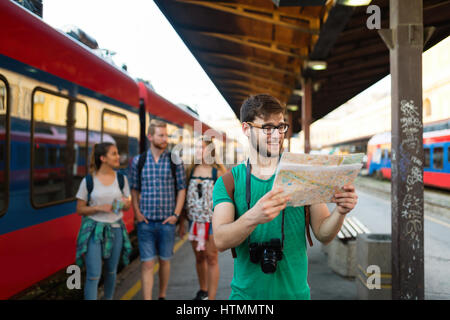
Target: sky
145, 41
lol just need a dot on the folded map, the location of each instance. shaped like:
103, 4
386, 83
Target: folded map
311, 179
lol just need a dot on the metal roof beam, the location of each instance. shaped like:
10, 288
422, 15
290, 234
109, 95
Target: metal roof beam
249, 38
240, 84
251, 85
236, 90
251, 76
274, 16
271, 46
257, 88
266, 66
338, 17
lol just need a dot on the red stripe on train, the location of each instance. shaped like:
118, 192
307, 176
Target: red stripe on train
435, 179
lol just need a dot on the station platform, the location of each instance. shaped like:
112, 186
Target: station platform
373, 210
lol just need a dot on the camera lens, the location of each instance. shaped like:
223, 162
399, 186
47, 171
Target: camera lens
255, 252
269, 261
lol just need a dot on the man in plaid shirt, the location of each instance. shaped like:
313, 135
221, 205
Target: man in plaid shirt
156, 207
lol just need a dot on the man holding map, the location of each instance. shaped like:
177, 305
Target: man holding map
268, 236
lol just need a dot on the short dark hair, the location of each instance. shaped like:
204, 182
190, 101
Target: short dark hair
260, 105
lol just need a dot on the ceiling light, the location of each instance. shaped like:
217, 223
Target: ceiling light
292, 107
317, 65
354, 3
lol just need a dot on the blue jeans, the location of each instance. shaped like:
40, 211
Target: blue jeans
94, 266
155, 239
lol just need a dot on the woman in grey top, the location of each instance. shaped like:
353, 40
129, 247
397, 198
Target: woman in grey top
102, 234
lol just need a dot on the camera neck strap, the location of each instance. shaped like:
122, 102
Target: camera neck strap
248, 198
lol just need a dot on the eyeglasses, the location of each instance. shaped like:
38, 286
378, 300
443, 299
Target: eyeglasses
269, 128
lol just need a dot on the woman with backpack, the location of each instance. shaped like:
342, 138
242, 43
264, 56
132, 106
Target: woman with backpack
202, 175
102, 196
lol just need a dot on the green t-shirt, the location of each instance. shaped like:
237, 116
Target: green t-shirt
289, 281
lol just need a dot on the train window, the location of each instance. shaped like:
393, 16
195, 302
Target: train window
426, 152
448, 154
438, 158
4, 146
39, 156
62, 156
115, 129
52, 156
59, 130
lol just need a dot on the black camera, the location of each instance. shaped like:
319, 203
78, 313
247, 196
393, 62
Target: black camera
266, 253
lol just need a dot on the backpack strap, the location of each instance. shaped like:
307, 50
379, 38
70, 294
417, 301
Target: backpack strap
214, 174
121, 179
173, 169
141, 163
307, 223
89, 186
228, 181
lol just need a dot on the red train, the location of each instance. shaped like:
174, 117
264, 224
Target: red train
58, 98
436, 145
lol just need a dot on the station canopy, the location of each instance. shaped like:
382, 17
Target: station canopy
267, 46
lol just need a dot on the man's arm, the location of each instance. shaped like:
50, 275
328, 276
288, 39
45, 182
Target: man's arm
181, 196
135, 203
229, 233
326, 226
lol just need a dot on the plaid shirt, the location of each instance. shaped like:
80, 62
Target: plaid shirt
158, 199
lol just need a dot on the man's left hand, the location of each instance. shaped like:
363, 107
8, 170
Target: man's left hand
345, 201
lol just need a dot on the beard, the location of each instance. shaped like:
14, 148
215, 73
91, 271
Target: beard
160, 146
263, 149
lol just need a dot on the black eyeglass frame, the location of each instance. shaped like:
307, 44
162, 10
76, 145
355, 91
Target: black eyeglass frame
265, 127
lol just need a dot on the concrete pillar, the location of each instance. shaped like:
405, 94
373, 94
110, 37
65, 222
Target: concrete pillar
405, 41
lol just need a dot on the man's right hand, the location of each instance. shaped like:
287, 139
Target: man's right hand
140, 217
269, 206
